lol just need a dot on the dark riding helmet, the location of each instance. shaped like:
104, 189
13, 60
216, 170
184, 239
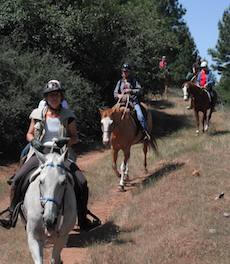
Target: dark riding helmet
126, 67
52, 86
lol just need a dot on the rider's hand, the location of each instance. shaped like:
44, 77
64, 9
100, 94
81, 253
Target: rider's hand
37, 144
61, 142
128, 91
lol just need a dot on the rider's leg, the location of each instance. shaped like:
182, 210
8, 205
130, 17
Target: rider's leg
16, 194
213, 97
142, 120
82, 195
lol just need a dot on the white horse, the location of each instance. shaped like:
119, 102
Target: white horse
50, 207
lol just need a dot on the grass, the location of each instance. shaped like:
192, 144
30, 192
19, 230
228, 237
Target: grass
172, 217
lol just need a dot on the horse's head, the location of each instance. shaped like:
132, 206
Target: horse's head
52, 185
185, 89
107, 124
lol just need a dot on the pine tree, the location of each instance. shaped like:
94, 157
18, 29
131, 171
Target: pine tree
221, 55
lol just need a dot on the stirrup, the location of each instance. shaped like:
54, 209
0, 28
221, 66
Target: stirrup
6, 223
147, 137
90, 225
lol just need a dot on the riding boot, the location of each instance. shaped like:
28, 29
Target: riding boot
82, 194
147, 136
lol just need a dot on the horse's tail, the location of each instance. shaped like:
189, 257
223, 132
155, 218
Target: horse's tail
153, 144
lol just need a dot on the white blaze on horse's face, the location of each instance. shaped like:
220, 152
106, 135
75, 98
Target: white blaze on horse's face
185, 91
106, 127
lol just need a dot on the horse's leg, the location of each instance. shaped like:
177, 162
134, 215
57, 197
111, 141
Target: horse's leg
166, 91
114, 165
57, 248
197, 121
145, 150
35, 246
124, 168
209, 116
205, 122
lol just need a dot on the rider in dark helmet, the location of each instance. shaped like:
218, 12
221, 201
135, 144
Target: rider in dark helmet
129, 85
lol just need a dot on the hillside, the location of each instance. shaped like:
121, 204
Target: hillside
170, 215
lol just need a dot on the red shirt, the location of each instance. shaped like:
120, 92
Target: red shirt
162, 64
203, 78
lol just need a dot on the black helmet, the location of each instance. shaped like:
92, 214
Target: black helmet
125, 67
52, 86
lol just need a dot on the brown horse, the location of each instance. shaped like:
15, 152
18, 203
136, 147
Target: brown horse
201, 101
122, 131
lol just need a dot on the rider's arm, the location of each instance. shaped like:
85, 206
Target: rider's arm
137, 89
210, 80
198, 79
30, 132
116, 93
72, 132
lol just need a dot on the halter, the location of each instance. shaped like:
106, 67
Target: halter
48, 199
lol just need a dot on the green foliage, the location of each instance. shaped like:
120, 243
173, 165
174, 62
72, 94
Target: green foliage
23, 78
221, 55
83, 44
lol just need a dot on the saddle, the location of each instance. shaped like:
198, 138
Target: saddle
133, 114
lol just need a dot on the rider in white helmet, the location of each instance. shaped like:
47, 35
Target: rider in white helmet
51, 83
205, 80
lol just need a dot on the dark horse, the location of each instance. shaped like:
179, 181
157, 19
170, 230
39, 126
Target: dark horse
202, 102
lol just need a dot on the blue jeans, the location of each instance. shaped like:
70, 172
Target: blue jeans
140, 116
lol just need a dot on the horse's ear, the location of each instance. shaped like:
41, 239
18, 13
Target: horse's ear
64, 156
41, 157
100, 110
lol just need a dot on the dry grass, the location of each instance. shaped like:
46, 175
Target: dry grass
174, 217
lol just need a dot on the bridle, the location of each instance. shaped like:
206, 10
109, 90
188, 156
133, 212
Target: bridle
44, 199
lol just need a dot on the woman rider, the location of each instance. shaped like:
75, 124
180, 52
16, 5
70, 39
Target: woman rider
48, 123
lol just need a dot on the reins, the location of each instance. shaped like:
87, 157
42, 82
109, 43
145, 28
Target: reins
117, 105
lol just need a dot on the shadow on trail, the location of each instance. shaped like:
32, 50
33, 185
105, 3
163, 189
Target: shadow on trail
219, 133
165, 124
160, 104
105, 233
158, 174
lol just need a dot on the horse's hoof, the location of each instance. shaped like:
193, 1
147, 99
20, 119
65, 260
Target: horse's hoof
126, 178
197, 132
121, 188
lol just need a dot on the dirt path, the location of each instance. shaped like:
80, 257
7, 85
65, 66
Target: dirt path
76, 250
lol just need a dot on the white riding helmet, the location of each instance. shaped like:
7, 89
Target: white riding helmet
203, 64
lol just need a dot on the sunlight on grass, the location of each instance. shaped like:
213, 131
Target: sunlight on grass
169, 220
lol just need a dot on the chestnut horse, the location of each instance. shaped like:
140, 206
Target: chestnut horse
201, 101
122, 131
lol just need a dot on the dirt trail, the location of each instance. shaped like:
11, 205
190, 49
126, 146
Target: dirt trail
104, 208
